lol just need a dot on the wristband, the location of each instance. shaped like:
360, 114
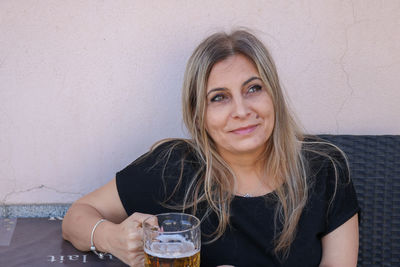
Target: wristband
92, 247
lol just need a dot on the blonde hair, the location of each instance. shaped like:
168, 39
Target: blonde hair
284, 161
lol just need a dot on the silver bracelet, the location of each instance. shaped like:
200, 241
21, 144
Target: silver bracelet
92, 247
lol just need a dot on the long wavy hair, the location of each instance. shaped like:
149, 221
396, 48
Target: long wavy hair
283, 157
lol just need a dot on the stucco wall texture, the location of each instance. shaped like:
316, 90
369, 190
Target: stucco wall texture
88, 86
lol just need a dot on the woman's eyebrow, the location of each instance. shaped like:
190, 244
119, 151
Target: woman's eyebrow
243, 84
251, 79
215, 90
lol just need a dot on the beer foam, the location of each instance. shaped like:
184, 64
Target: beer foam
171, 247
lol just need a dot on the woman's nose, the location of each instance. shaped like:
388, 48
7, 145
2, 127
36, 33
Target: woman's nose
240, 109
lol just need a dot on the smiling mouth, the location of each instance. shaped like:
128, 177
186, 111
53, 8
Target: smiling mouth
245, 130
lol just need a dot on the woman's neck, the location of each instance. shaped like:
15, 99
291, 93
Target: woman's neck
249, 169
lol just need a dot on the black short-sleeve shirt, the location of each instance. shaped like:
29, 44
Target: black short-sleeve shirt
248, 240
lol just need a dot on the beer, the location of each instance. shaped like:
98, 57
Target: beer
162, 261
159, 261
172, 251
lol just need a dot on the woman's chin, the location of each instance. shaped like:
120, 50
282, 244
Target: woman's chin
246, 149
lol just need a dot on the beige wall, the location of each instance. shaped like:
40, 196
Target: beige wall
87, 86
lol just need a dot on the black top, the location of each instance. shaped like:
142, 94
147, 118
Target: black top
248, 241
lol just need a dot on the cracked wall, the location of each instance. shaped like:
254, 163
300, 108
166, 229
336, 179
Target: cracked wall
88, 86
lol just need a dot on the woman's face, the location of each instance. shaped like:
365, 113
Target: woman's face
240, 114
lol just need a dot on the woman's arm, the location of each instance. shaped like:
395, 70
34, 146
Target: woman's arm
103, 203
340, 247
120, 235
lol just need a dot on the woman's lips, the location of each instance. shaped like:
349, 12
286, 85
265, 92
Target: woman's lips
245, 130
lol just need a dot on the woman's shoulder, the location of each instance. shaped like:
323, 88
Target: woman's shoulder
167, 158
173, 145
321, 155
317, 149
168, 152
331, 187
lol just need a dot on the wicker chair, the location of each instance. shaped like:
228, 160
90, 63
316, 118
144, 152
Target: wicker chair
375, 170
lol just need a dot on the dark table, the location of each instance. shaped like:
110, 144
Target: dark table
38, 242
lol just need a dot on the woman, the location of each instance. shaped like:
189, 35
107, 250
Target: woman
267, 196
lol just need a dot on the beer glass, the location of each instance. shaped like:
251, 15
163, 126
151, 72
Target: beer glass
172, 239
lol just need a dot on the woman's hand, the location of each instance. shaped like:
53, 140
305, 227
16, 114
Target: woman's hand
119, 235
125, 240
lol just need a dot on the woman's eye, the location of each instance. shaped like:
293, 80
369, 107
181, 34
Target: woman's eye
218, 98
254, 88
